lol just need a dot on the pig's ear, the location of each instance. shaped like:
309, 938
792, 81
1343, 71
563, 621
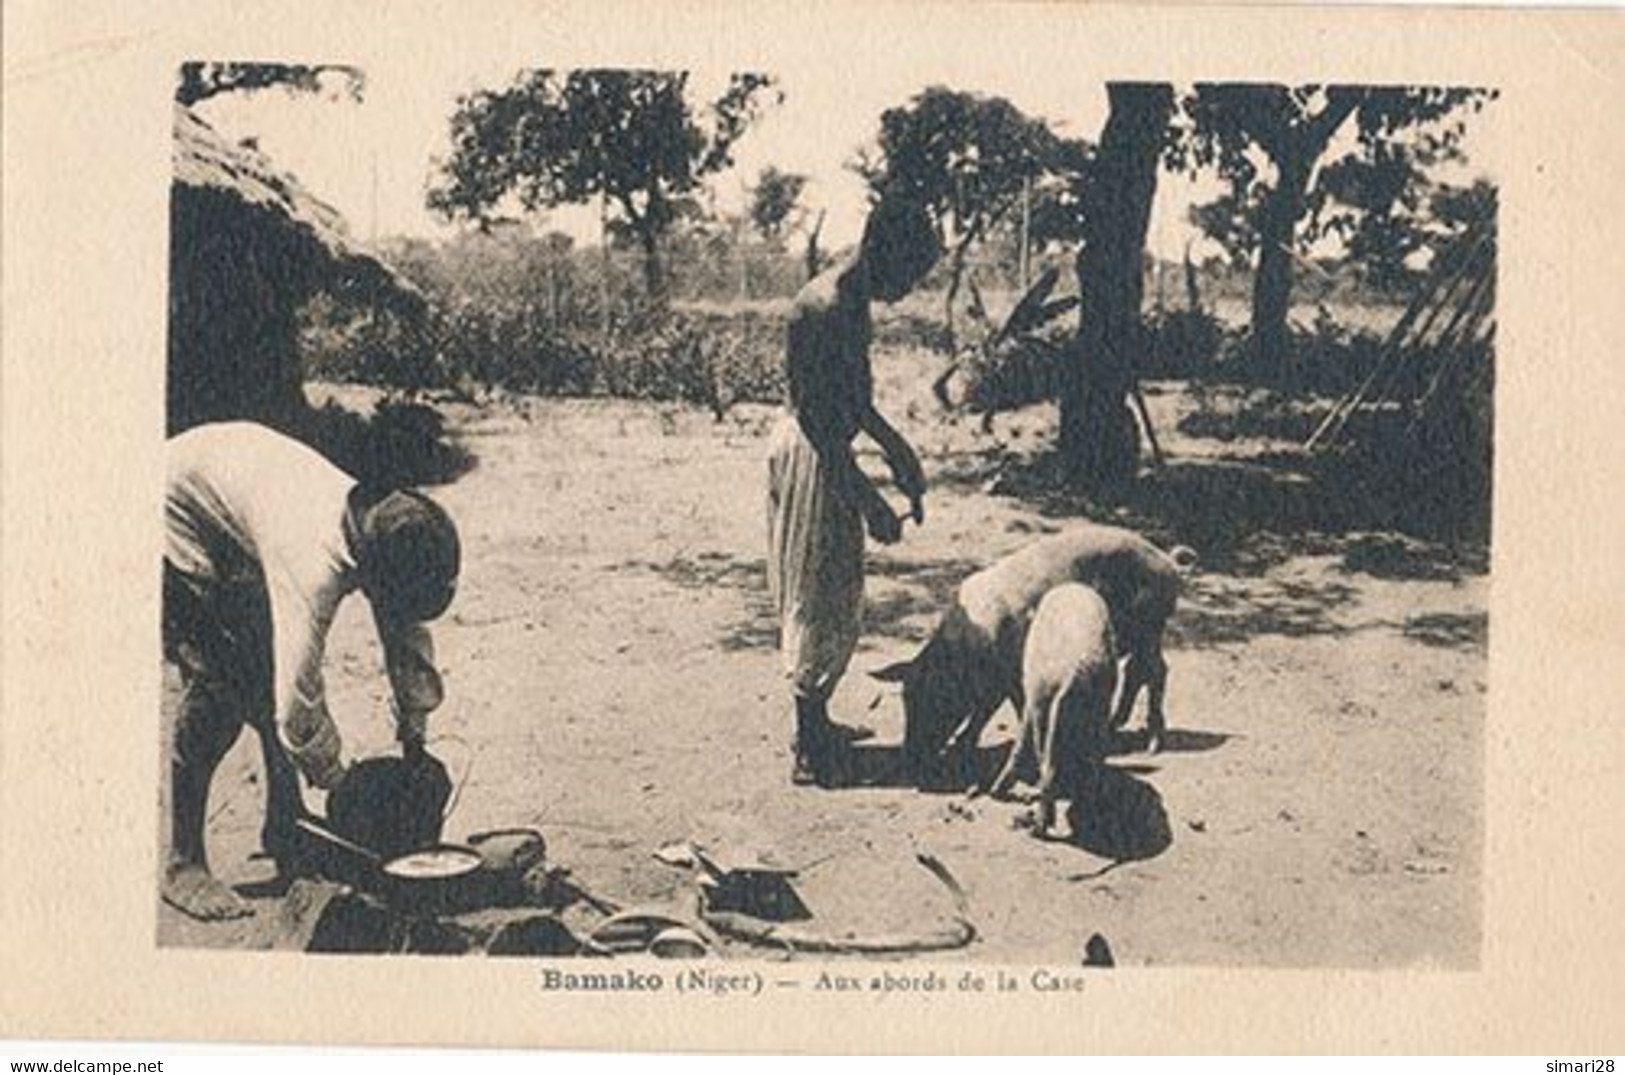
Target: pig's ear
894, 673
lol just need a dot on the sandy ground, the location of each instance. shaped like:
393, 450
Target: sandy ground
613, 680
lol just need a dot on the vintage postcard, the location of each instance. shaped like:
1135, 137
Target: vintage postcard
997, 527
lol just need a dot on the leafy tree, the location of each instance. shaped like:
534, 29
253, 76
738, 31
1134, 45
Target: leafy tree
964, 156
1060, 197
200, 81
775, 202
1455, 209
1267, 142
1098, 441
1374, 203
564, 138
1400, 213
1228, 220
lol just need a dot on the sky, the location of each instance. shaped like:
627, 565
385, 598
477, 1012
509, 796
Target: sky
373, 160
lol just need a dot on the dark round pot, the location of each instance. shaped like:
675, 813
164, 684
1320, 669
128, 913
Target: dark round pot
390, 806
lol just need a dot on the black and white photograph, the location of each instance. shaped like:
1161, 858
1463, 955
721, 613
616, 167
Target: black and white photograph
1039, 521
1031, 526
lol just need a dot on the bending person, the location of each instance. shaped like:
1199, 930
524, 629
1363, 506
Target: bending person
264, 539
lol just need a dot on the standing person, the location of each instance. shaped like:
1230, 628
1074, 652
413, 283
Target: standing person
819, 501
263, 539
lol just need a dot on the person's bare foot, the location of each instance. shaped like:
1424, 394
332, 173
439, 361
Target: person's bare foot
189, 887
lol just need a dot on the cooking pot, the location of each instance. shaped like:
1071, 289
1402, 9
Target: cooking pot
434, 880
389, 805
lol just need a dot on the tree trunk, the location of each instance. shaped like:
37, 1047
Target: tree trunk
1272, 290
956, 273
1193, 289
1099, 443
1294, 154
645, 226
654, 274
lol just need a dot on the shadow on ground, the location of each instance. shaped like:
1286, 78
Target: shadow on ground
757, 627
1245, 516
921, 590
924, 588
1174, 741
1469, 630
1217, 613
882, 766
1120, 817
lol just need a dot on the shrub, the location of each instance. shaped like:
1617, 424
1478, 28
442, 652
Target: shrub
1182, 343
1330, 358
399, 444
361, 344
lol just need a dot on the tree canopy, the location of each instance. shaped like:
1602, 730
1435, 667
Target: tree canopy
631, 136
199, 81
969, 159
775, 202
1270, 144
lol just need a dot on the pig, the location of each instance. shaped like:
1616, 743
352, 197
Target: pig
971, 664
1068, 677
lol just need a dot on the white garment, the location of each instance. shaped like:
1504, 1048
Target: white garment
814, 565
243, 503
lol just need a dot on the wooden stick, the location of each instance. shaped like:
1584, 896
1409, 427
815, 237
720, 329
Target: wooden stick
1333, 424
1150, 432
756, 931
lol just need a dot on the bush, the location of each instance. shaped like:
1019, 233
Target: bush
660, 358
1332, 359
745, 354
911, 327
399, 444
1182, 344
529, 316
503, 348
361, 344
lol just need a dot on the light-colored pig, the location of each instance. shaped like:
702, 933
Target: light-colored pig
1068, 677
971, 665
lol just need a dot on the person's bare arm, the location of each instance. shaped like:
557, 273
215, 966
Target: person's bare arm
830, 412
304, 727
900, 456
413, 678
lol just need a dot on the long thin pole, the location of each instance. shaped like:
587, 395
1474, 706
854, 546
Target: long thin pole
603, 275
1026, 231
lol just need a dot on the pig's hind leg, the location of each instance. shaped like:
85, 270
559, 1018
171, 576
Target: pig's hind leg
1022, 764
1156, 678
1145, 669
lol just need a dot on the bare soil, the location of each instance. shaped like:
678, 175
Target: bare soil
613, 680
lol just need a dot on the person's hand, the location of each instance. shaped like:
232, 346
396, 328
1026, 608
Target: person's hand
916, 508
910, 478
883, 523
330, 781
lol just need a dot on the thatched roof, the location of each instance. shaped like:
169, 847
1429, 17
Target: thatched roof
206, 162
